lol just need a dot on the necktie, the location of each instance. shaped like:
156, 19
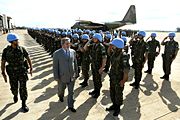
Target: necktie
67, 53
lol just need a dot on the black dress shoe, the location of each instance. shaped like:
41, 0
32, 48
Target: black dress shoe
112, 107
72, 109
15, 98
92, 93
25, 108
61, 99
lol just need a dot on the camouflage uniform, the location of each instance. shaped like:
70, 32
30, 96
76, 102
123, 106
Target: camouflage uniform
168, 56
139, 59
75, 47
132, 47
85, 65
108, 59
119, 63
152, 46
16, 70
97, 52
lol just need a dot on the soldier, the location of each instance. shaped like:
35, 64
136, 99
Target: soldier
75, 45
118, 74
107, 39
140, 57
85, 60
152, 46
16, 69
170, 53
98, 55
133, 41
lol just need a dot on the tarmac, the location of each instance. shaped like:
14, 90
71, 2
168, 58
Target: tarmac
156, 99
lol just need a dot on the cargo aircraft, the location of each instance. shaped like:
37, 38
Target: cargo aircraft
129, 18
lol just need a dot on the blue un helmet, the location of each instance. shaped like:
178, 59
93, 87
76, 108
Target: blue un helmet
12, 37
84, 37
98, 36
87, 32
117, 42
108, 36
123, 33
153, 34
69, 33
141, 33
107, 32
64, 34
79, 31
172, 34
75, 36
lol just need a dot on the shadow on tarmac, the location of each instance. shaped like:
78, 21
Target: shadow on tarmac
149, 84
50, 92
130, 75
11, 116
106, 97
40, 68
131, 106
56, 112
36, 64
44, 83
169, 96
42, 75
6, 107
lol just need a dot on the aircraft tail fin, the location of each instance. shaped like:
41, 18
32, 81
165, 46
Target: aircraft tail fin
130, 16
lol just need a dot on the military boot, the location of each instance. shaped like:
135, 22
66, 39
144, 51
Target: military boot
147, 71
96, 95
84, 83
163, 77
24, 107
92, 92
150, 71
117, 110
112, 107
132, 84
167, 77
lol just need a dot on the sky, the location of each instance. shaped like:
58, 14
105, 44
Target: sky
151, 14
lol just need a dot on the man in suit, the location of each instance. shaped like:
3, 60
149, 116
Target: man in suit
65, 71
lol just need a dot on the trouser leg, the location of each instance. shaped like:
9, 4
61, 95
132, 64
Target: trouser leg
70, 94
61, 88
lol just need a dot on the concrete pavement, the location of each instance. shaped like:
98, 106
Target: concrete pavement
155, 100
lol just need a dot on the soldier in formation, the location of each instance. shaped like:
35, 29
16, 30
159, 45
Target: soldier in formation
170, 52
154, 48
118, 74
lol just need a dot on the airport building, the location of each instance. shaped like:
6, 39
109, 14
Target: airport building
5, 23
